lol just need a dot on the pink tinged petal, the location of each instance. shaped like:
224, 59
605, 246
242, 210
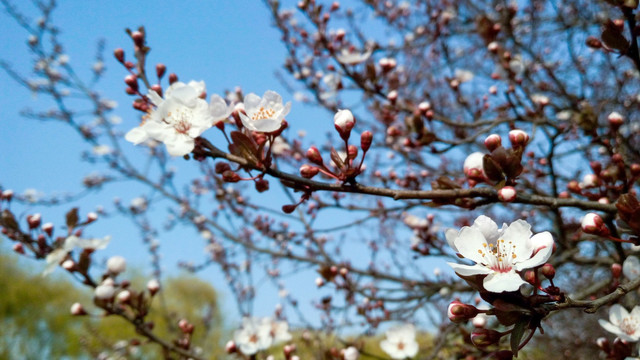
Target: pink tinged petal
261, 125
543, 244
468, 270
635, 314
499, 282
471, 243
136, 135
617, 313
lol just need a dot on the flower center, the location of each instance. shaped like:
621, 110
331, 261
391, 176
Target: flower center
180, 120
263, 113
400, 345
253, 338
629, 325
499, 257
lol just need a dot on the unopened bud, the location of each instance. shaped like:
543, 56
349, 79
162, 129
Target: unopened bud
307, 171
485, 337
592, 223
116, 265
493, 47
34, 221
231, 176
288, 209
507, 194
77, 309
132, 82
616, 270
138, 38
124, 296
493, 142
319, 282
48, 228
530, 277
366, 138
574, 187
221, 167
230, 347
119, 54
173, 78
593, 42
548, 271
69, 265
352, 152
603, 344
473, 166
459, 312
313, 154
479, 321
160, 70
153, 286
262, 185
344, 122
185, 326
518, 138
18, 248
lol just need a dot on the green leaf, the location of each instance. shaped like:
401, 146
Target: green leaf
517, 334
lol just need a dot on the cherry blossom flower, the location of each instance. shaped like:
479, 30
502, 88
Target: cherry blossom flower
351, 353
177, 119
400, 342
264, 114
622, 323
499, 253
631, 267
253, 336
56, 256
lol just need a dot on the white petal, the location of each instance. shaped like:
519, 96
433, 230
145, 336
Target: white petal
251, 101
470, 240
499, 282
154, 97
272, 96
468, 270
487, 226
519, 234
411, 348
136, 135
616, 313
631, 267
219, 108
451, 235
181, 146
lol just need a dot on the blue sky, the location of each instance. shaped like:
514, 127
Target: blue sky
224, 43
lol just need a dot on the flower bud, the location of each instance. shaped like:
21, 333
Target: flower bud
138, 38
307, 171
319, 282
262, 185
518, 138
124, 296
221, 167
424, 106
473, 166
230, 347
616, 270
160, 70
548, 271
313, 154
350, 353
69, 265
479, 321
459, 312
91, 217
352, 152
365, 140
615, 120
116, 265
493, 142
530, 277
288, 209
119, 55
344, 122
48, 228
172, 78
18, 248
104, 291
153, 286
593, 42
592, 223
185, 326
77, 309
231, 176
603, 344
34, 220
485, 337
132, 82
507, 194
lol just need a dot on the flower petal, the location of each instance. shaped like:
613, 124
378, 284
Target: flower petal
469, 242
518, 234
468, 270
543, 242
631, 267
487, 226
137, 135
617, 313
499, 282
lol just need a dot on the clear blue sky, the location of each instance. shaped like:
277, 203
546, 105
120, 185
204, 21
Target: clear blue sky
226, 43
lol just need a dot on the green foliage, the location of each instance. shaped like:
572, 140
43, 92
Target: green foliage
35, 322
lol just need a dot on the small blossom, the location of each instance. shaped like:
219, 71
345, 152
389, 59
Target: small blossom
540, 99
459, 312
507, 194
623, 324
153, 286
177, 119
499, 254
631, 267
55, 257
253, 336
116, 264
400, 342
344, 121
589, 181
264, 114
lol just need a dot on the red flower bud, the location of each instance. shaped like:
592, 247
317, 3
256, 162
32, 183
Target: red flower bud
230, 176
313, 154
493, 142
459, 312
485, 337
119, 55
160, 70
548, 271
173, 78
365, 140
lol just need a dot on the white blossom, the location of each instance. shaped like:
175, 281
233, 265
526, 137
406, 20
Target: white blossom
400, 342
499, 253
351, 57
177, 119
264, 114
253, 336
622, 323
351, 353
55, 257
116, 264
